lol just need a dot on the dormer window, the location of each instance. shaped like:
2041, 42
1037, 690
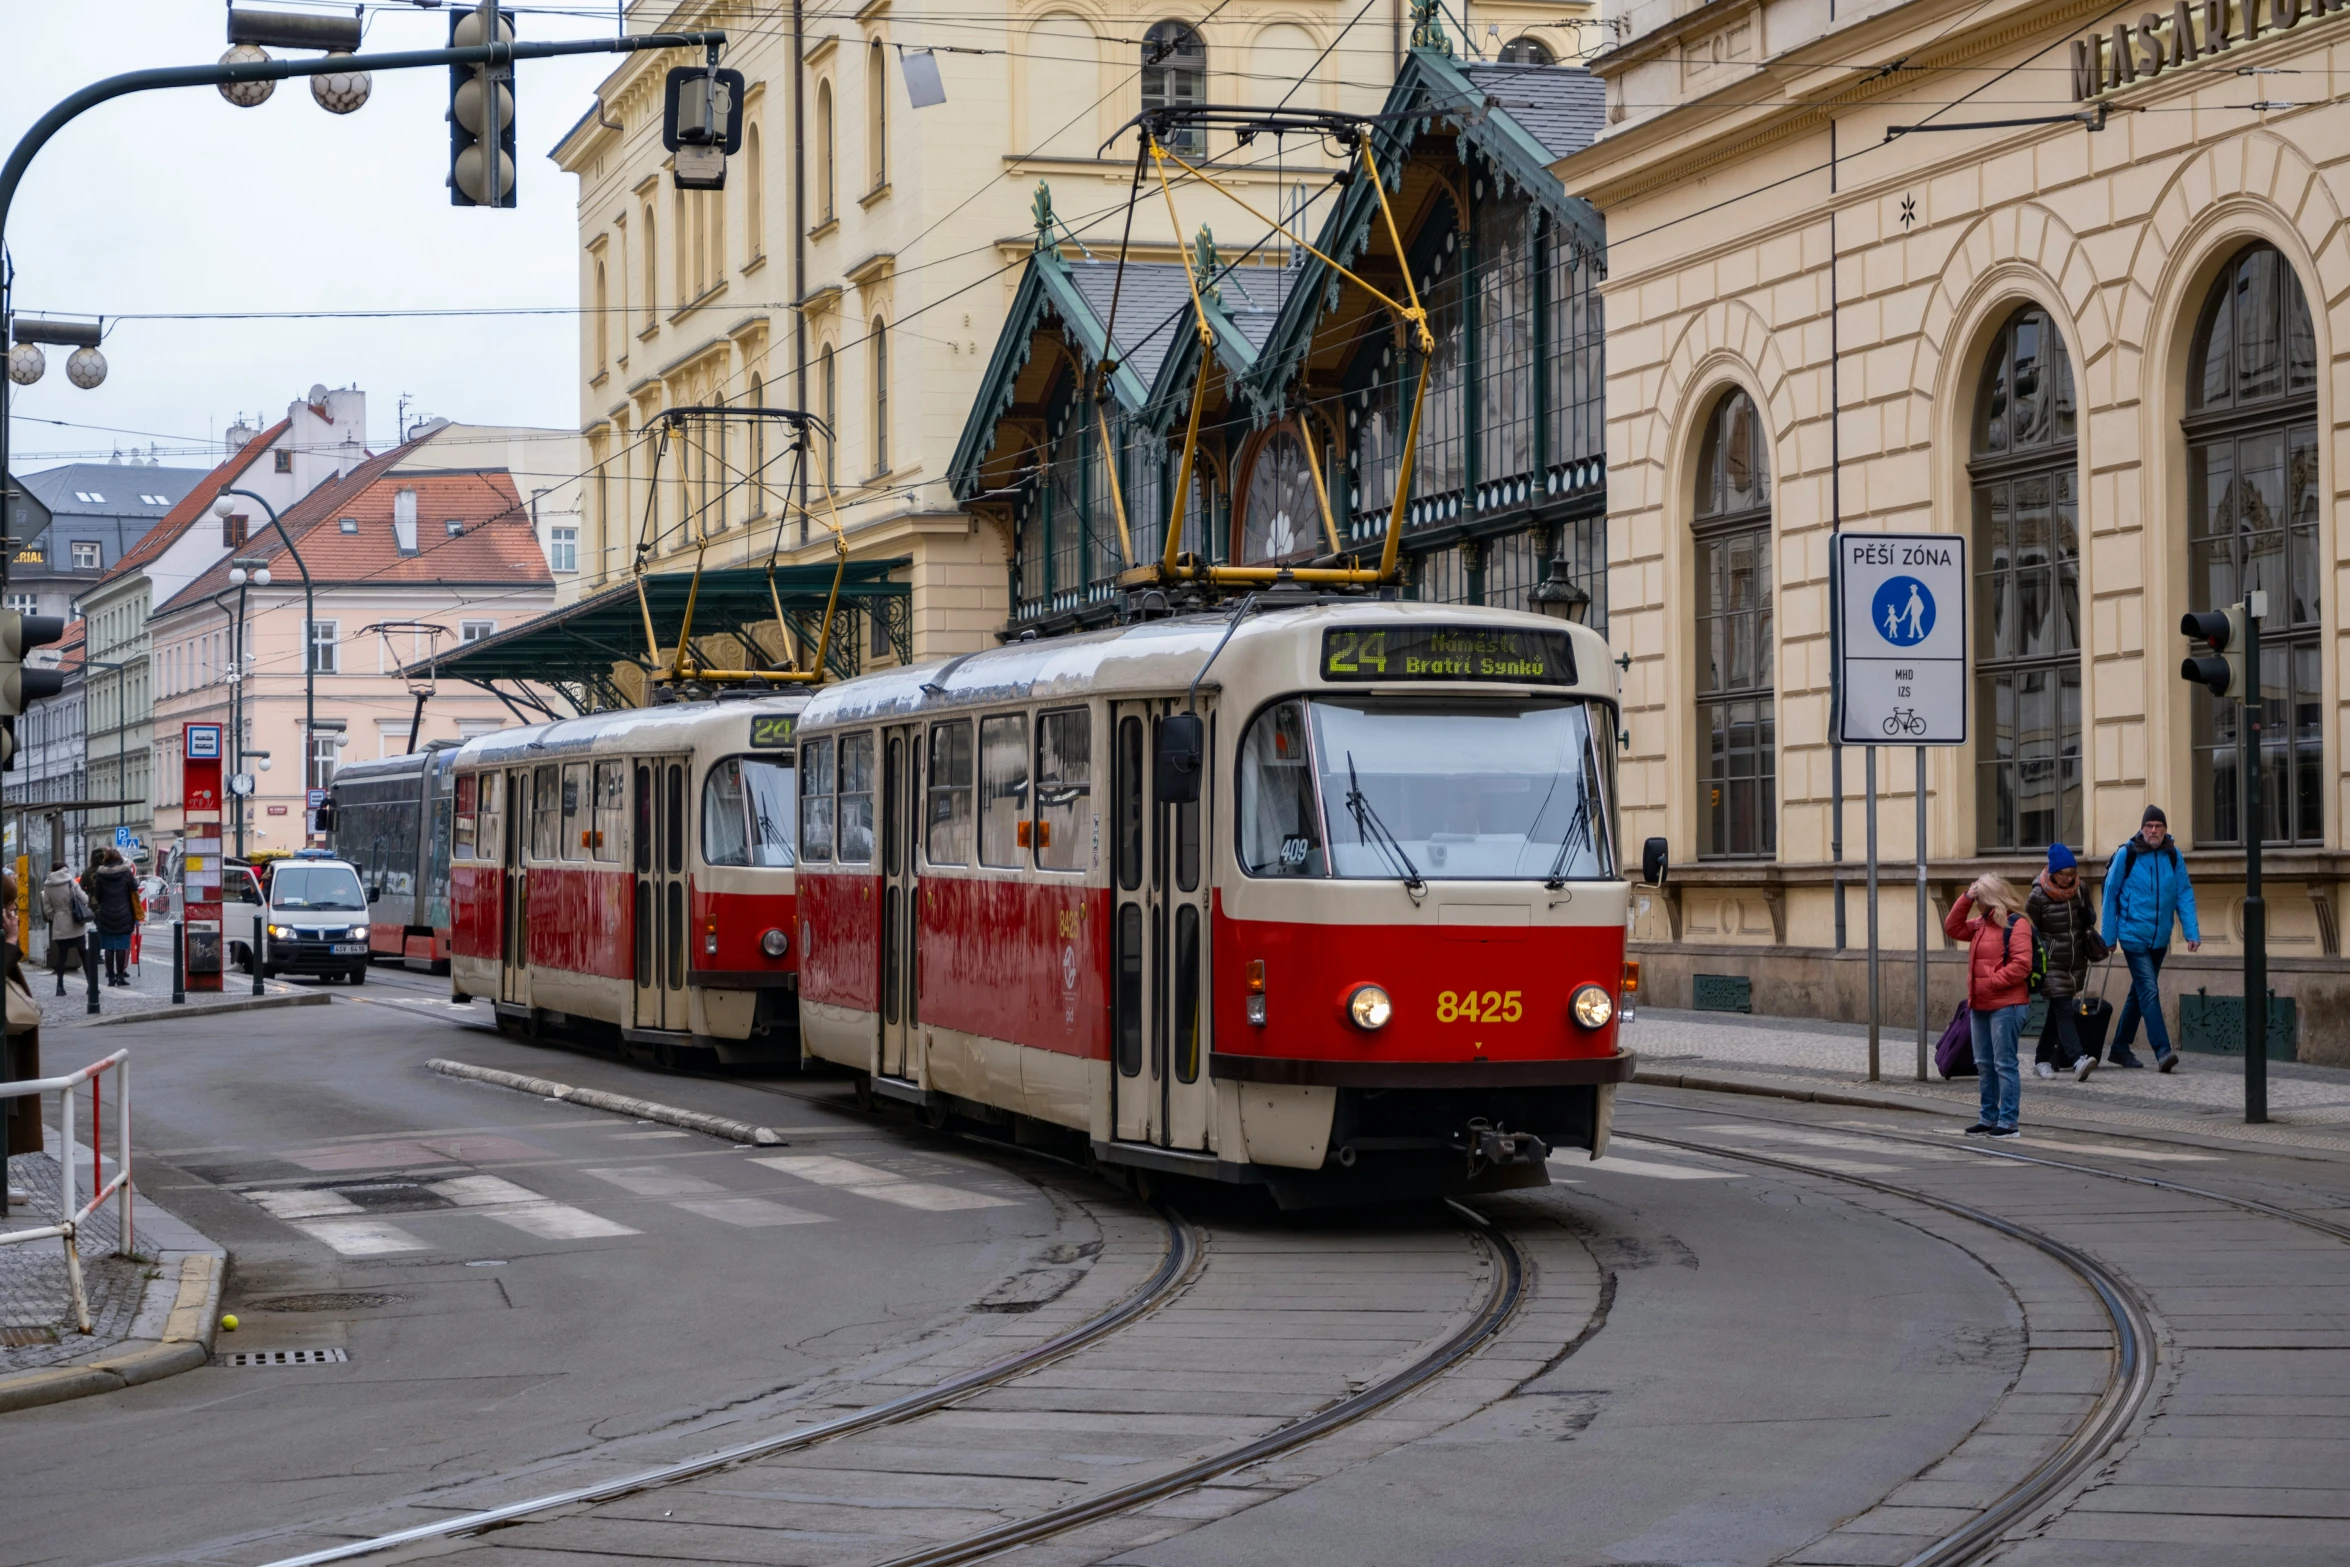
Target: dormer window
456, 527
349, 525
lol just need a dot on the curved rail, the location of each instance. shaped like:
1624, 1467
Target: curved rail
1182, 1255
1501, 1302
2126, 1391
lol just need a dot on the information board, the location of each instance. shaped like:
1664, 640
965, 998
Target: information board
1900, 614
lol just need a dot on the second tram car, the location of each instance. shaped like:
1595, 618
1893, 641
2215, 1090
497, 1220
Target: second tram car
390, 818
631, 874
1323, 897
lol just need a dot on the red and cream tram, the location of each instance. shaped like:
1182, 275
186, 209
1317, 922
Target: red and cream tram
630, 874
1358, 929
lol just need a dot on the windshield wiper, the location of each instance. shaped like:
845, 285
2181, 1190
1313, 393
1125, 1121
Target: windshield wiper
1578, 830
1371, 830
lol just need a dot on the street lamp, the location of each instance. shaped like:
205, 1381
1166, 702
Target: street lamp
224, 508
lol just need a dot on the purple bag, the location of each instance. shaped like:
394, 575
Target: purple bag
1954, 1052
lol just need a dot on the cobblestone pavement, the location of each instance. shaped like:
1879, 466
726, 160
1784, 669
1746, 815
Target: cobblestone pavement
2309, 1106
36, 1312
149, 989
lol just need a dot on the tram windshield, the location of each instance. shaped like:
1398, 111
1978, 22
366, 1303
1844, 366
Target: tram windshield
1427, 788
747, 813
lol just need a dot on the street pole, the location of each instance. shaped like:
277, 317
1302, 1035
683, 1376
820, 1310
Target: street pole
2248, 727
309, 649
1870, 752
236, 713
1921, 753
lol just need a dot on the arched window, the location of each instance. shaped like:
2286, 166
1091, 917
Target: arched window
880, 396
1527, 51
758, 476
754, 196
652, 269
828, 399
682, 230
1280, 517
603, 303
2252, 493
826, 184
1737, 729
1174, 76
2024, 459
716, 272
877, 113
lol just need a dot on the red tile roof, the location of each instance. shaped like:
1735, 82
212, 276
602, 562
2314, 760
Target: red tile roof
498, 546
196, 505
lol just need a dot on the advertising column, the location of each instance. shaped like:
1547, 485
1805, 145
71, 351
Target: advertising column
200, 863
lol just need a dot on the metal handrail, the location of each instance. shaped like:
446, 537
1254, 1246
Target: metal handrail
70, 1215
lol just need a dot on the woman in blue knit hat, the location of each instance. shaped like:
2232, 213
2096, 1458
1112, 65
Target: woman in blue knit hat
2067, 926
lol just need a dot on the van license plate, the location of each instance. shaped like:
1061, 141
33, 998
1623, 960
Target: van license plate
349, 949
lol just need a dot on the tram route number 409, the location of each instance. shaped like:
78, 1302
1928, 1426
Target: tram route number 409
1474, 1006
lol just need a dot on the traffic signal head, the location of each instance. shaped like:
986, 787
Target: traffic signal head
19, 635
481, 118
2219, 666
702, 124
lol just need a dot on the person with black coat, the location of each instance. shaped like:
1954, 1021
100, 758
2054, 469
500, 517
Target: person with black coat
2060, 912
115, 896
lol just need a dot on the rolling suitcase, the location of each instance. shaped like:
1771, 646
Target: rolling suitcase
2095, 1020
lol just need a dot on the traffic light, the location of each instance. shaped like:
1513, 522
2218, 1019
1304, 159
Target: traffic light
702, 123
19, 634
481, 117
2220, 670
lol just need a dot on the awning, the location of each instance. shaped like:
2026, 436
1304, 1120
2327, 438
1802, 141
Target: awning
572, 651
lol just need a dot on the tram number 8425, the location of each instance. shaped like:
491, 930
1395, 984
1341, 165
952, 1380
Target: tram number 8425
1470, 1006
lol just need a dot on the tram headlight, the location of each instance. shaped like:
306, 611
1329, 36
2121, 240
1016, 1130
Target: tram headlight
775, 943
1368, 1008
1591, 1006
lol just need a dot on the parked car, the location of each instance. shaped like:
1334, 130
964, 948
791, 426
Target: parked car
305, 913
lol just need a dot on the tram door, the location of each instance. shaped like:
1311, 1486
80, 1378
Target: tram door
513, 885
1158, 943
901, 922
658, 845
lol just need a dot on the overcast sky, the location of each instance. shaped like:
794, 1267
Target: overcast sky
178, 202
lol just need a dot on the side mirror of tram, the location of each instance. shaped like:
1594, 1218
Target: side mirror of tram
1652, 863
1182, 757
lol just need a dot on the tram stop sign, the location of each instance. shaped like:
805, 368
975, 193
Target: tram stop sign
1900, 615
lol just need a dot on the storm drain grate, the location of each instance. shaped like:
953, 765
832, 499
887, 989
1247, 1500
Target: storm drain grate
281, 1357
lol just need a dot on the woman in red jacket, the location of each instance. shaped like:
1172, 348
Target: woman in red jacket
1989, 919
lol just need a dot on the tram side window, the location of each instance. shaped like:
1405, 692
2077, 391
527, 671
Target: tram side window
947, 838
1003, 790
1064, 788
575, 811
856, 799
1280, 823
461, 834
611, 810
816, 800
746, 813
545, 824
490, 836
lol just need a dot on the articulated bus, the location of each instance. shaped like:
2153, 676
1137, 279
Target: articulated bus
1322, 897
629, 876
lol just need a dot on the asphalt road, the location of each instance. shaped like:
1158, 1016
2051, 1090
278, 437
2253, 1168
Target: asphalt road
530, 1294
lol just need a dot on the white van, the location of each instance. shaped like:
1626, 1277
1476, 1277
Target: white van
305, 914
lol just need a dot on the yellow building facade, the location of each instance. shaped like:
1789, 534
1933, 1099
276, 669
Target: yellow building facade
860, 262
2078, 291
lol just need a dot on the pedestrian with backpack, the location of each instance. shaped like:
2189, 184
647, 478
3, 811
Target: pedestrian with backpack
1988, 917
2147, 889
2067, 930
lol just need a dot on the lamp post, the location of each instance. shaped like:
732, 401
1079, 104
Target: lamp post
243, 575
224, 508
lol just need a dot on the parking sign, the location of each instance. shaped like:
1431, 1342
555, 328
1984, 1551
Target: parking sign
1901, 634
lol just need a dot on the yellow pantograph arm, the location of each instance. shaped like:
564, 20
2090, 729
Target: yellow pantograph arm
1411, 311
1403, 477
1199, 385
1101, 422
1415, 312
1305, 431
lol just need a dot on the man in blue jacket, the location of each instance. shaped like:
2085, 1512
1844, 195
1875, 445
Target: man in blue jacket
2146, 888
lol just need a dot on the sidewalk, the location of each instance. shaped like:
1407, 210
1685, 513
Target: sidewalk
149, 990
151, 1314
2309, 1106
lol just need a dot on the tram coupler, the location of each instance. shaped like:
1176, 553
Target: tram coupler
1489, 1146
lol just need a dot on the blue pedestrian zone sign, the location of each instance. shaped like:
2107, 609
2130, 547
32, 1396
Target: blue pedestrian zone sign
1900, 620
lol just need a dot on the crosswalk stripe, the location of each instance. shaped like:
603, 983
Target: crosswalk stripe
653, 1180
361, 1237
1614, 1165
750, 1213
291, 1205
864, 1180
495, 1197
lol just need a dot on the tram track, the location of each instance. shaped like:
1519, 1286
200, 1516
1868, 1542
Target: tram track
1506, 1281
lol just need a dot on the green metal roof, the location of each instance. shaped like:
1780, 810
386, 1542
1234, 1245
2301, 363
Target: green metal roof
572, 650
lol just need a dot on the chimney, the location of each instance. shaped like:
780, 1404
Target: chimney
238, 435
404, 521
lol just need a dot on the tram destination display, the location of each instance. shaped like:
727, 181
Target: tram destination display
1501, 655
772, 731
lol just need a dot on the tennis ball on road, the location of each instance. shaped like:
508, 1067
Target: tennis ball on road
229, 1322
